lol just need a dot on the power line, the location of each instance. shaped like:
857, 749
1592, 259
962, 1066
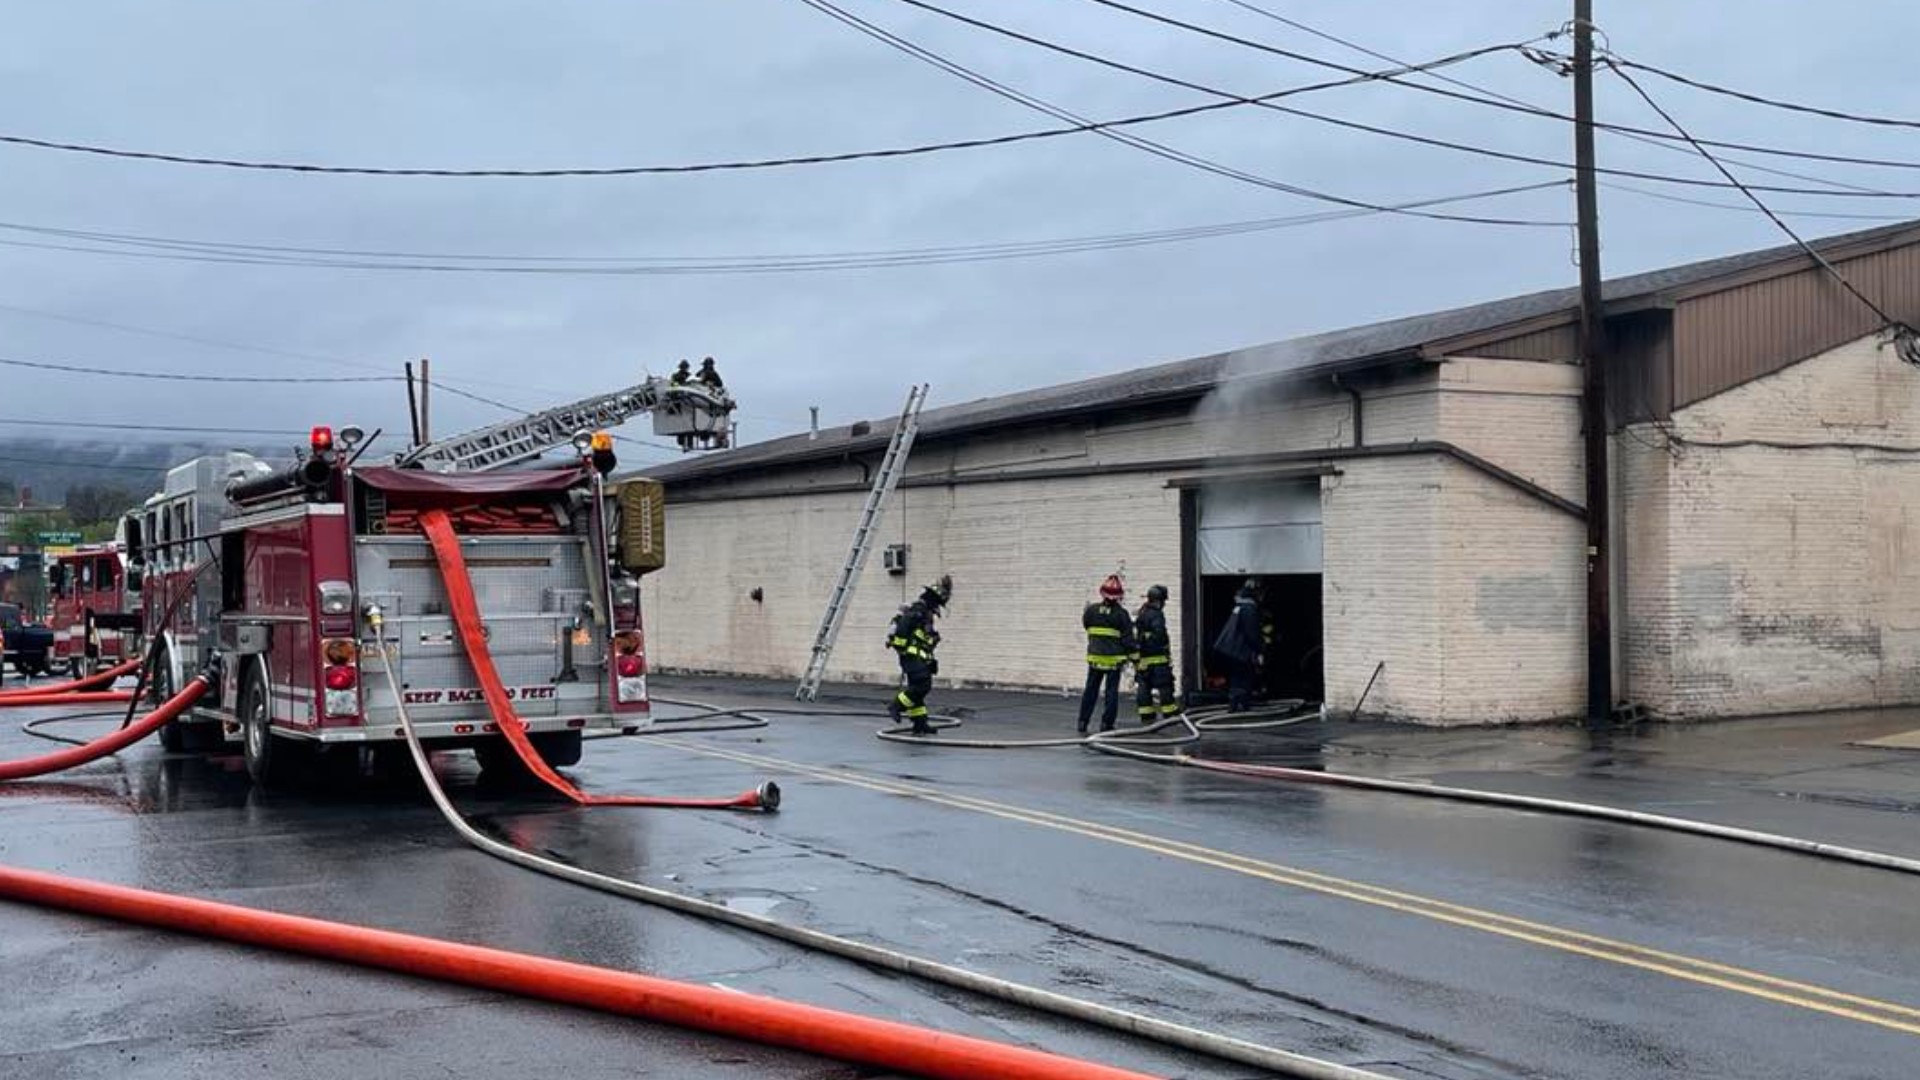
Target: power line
186, 428
1759, 99
1374, 129
253, 254
158, 376
66, 463
1821, 260
1659, 140
1157, 149
1666, 196
739, 165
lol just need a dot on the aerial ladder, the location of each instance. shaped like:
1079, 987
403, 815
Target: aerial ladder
692, 413
885, 479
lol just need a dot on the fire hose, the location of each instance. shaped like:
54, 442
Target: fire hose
112, 742
1540, 804
878, 1043
100, 680
1213, 1044
882, 1044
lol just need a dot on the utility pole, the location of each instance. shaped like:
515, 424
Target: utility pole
413, 407
1593, 356
426, 388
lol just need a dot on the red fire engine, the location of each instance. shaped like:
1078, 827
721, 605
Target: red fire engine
93, 613
279, 578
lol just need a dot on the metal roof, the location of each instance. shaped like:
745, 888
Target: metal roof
1429, 336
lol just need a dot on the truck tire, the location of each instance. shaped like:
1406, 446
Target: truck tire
272, 762
173, 736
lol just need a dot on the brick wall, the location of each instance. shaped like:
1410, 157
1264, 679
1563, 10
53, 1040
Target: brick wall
1467, 590
1025, 556
1768, 578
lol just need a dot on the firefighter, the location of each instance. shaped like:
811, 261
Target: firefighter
1242, 644
914, 639
682, 375
1153, 663
710, 376
1109, 645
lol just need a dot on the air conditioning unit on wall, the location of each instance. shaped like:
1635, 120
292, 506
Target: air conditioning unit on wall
894, 558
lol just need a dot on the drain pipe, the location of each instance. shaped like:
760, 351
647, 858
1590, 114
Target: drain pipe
1359, 416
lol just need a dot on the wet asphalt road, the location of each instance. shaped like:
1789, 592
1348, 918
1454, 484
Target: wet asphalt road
1420, 938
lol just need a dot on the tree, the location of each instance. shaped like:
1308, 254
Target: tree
27, 528
9, 495
90, 504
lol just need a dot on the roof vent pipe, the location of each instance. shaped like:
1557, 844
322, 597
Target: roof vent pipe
813, 431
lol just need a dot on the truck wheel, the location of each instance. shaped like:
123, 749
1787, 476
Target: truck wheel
558, 748
173, 736
265, 762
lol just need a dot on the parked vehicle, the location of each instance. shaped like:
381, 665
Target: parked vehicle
93, 609
25, 644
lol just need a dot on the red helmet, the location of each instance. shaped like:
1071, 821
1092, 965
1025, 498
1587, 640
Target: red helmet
1112, 589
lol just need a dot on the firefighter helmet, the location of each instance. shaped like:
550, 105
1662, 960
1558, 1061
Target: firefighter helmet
1112, 588
938, 594
1157, 592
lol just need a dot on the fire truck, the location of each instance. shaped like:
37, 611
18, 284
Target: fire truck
94, 618
278, 578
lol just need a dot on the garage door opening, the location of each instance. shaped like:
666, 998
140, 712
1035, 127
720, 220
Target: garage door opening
1267, 532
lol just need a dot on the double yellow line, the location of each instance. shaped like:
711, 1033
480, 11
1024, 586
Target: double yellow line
1884, 1014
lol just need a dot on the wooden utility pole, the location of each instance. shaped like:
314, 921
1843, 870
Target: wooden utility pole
1593, 356
413, 407
426, 391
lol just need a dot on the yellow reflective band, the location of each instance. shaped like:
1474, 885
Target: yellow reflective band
1153, 661
1104, 663
1102, 631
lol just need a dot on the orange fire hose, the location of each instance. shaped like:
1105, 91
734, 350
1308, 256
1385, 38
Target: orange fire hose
843, 1036
110, 743
97, 681
95, 697
466, 615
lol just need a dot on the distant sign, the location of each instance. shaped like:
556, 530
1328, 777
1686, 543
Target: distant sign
59, 539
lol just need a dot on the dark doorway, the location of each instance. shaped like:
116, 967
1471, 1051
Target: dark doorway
1291, 602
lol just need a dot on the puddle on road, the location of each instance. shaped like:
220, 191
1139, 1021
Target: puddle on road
754, 905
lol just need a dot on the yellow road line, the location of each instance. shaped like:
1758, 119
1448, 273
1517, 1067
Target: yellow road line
1866, 1010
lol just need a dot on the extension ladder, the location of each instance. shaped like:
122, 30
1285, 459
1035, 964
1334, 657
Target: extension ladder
884, 482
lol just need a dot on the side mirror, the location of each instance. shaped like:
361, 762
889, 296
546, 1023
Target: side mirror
135, 572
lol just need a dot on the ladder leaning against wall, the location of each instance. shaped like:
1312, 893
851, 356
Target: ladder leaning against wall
884, 481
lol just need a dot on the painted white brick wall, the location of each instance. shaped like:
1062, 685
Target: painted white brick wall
1467, 590
1509, 569
1026, 556
1781, 579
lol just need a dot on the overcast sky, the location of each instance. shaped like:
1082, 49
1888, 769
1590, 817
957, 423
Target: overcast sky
490, 83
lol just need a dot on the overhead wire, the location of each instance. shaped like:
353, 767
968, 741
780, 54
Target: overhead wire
174, 376
1077, 127
1658, 140
758, 264
1761, 99
1908, 346
1031, 101
102, 426
1355, 125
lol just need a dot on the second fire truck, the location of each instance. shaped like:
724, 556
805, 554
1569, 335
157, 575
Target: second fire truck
272, 575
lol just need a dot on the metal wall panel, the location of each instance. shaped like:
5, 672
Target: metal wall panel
1727, 338
1270, 527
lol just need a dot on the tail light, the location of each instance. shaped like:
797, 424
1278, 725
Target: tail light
629, 670
340, 678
